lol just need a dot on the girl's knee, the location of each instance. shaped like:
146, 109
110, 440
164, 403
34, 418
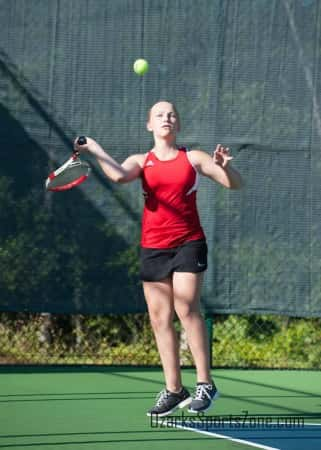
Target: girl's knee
160, 321
186, 312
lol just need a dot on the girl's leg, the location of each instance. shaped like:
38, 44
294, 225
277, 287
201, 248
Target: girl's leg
187, 291
159, 299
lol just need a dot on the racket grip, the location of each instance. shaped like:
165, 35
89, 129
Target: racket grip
82, 140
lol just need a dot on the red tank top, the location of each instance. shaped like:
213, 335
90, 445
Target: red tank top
170, 215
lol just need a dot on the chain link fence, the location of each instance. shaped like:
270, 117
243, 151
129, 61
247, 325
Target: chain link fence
238, 340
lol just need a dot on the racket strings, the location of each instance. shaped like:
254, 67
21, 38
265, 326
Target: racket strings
77, 171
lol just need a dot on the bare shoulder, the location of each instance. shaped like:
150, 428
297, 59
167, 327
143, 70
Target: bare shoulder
197, 157
140, 158
136, 159
132, 167
203, 163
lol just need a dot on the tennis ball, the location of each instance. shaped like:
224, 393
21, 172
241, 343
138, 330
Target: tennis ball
141, 66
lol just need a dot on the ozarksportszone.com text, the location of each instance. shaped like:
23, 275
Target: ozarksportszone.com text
202, 421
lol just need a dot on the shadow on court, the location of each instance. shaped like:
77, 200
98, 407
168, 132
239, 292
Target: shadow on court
91, 407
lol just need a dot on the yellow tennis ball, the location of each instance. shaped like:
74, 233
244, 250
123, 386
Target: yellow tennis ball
141, 66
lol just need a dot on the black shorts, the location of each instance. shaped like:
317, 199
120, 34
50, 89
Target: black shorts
159, 263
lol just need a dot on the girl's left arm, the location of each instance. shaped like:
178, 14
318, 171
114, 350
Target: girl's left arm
217, 167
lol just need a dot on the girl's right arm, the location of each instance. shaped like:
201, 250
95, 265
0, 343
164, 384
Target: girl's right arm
128, 171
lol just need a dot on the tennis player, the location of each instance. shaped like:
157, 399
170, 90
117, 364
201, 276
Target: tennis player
173, 247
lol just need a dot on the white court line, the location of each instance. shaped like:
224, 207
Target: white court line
223, 436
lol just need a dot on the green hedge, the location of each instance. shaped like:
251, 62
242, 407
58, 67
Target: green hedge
238, 341
267, 341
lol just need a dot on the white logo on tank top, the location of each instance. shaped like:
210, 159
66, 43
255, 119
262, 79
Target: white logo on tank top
149, 164
201, 264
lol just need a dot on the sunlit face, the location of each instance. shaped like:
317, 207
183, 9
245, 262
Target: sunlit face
163, 119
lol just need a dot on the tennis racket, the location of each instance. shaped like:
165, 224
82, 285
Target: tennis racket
72, 173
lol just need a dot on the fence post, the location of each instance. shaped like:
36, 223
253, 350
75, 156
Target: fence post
209, 326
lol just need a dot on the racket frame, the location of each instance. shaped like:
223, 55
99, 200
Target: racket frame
73, 160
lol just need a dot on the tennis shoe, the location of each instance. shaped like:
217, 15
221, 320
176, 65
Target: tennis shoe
167, 402
203, 398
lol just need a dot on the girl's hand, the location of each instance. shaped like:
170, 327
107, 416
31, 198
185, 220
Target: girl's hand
221, 156
85, 147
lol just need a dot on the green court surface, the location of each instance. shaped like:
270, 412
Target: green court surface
105, 408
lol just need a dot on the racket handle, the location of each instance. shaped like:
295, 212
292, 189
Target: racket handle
82, 140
